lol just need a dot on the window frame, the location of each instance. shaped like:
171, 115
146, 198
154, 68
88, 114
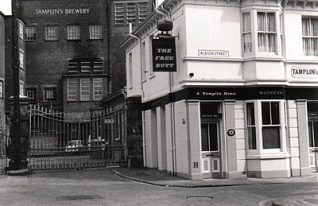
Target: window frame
73, 32
33, 91
30, 33
54, 91
309, 37
1, 89
48, 33
72, 97
259, 127
95, 32
247, 32
267, 32
85, 88
98, 88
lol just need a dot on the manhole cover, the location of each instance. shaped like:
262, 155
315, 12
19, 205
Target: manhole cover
205, 198
80, 197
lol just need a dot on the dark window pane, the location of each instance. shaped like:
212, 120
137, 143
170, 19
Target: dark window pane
250, 114
213, 133
251, 138
266, 113
204, 137
271, 137
310, 134
315, 135
275, 112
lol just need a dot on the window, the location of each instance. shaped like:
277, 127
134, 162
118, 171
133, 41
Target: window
310, 36
313, 123
72, 87
51, 33
85, 66
97, 88
271, 125
98, 65
95, 32
266, 34
49, 94
266, 133
247, 35
73, 66
251, 128
21, 88
31, 93
30, 33
130, 70
21, 59
85, 89
1, 89
131, 12
143, 60
73, 32
21, 30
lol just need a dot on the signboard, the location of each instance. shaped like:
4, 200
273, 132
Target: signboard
59, 11
304, 72
213, 53
164, 54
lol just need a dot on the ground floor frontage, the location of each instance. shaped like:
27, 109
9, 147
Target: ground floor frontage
229, 132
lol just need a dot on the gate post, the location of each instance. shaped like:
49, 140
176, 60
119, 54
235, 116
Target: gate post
18, 163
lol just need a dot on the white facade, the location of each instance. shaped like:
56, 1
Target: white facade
243, 98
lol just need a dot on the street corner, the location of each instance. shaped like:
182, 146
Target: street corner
303, 200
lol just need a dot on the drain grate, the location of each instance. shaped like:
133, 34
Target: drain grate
199, 198
79, 197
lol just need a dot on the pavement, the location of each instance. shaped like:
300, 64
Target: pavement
160, 178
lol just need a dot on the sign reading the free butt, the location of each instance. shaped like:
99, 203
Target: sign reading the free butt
164, 54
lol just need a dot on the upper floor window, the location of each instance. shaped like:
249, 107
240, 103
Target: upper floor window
131, 12
310, 36
30, 33
73, 32
97, 88
130, 70
21, 59
95, 32
247, 33
31, 93
72, 87
51, 33
21, 30
266, 31
85, 65
1, 89
49, 94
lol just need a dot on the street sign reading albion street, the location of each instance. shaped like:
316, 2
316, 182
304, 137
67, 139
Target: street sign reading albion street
164, 54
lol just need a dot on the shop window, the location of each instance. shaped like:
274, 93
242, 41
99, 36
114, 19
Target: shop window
30, 33
247, 33
1, 89
31, 93
313, 124
72, 87
95, 32
310, 36
49, 94
251, 127
271, 125
73, 32
269, 129
85, 89
51, 33
266, 31
97, 89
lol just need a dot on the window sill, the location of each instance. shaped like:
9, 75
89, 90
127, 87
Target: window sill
278, 155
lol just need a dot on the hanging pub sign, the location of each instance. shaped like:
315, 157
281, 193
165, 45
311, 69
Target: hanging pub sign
164, 54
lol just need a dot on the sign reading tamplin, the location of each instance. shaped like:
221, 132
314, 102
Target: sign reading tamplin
164, 54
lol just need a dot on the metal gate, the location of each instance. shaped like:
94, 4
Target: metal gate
60, 140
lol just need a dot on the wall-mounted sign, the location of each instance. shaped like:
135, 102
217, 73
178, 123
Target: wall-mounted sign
59, 11
164, 55
213, 53
306, 72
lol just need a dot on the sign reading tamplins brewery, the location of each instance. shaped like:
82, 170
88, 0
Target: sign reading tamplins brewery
164, 54
59, 11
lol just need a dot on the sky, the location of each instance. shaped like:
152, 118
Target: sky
5, 6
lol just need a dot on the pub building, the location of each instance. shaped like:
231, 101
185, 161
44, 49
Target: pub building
242, 97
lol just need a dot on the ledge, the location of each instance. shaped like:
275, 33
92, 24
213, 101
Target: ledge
268, 156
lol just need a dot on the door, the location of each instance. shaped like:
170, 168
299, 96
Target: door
210, 150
